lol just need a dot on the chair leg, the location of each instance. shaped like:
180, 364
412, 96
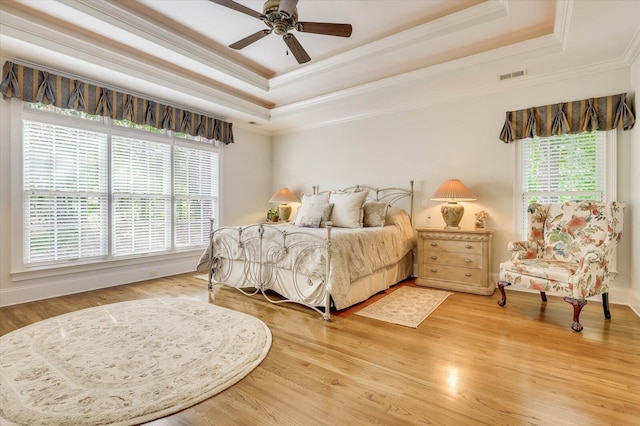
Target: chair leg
605, 305
501, 285
543, 296
577, 308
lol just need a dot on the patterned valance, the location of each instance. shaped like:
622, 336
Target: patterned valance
32, 85
606, 113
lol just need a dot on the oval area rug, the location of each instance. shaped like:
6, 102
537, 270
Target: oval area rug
125, 363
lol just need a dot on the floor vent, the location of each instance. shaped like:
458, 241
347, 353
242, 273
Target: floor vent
513, 74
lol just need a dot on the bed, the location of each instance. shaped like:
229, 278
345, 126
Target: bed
342, 248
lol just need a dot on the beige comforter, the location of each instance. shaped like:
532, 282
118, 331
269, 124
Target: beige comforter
355, 253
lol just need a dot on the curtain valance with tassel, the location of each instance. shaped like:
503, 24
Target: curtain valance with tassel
606, 113
32, 85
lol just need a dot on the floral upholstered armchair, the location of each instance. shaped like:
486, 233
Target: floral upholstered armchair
568, 252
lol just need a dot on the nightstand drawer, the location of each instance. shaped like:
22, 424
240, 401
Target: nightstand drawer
473, 247
468, 276
444, 258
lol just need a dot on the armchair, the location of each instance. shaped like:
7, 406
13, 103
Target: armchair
568, 253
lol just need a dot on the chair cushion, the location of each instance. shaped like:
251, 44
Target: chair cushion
540, 275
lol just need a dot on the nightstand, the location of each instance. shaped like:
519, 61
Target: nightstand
456, 259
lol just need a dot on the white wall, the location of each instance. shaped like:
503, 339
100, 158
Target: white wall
633, 209
245, 188
451, 140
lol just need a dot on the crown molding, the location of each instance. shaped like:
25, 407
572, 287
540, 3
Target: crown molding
480, 14
29, 30
538, 46
425, 102
633, 49
125, 20
562, 22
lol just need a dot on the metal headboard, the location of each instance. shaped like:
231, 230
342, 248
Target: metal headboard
387, 195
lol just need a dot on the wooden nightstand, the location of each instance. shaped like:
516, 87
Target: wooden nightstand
455, 259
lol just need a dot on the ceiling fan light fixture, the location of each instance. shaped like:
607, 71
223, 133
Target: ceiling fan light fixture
280, 28
281, 16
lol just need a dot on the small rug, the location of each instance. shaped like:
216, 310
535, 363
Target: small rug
125, 363
407, 306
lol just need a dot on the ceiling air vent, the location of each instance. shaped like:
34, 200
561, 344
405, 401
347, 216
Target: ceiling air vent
512, 75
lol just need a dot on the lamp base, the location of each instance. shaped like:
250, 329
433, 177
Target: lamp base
284, 212
452, 214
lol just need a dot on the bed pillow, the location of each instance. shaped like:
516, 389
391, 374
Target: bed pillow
375, 213
310, 221
314, 206
347, 209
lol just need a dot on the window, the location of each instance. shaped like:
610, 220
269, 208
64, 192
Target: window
96, 190
567, 167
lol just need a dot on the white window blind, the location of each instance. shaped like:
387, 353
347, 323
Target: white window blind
141, 196
196, 194
65, 193
95, 191
563, 168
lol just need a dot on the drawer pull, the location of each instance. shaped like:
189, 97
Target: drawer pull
434, 270
468, 260
434, 244
468, 246
467, 274
434, 257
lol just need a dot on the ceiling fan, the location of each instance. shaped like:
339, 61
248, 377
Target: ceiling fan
281, 16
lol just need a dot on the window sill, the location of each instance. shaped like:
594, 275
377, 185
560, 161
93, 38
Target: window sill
60, 270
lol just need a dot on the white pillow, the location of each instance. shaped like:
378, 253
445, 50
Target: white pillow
347, 209
314, 205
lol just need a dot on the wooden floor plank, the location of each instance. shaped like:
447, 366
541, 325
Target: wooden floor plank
471, 362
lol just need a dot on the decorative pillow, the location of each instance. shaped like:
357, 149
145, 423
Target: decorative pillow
310, 206
310, 221
347, 209
375, 213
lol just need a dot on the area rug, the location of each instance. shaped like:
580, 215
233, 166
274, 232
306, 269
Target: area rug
407, 306
125, 363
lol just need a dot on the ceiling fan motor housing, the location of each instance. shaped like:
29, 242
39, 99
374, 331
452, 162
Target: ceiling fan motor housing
281, 23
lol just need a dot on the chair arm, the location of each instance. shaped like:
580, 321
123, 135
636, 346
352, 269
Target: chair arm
593, 255
523, 249
592, 276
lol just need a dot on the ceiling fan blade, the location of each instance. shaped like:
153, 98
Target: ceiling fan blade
288, 6
340, 30
238, 7
296, 48
241, 44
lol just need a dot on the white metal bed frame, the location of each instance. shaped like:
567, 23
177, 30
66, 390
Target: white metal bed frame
260, 272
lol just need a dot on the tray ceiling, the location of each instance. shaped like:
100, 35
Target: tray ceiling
177, 51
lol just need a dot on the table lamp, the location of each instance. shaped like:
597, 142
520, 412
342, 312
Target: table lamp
452, 191
284, 196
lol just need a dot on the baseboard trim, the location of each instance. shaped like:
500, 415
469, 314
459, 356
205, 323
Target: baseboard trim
62, 285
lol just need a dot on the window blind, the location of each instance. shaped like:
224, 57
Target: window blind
563, 168
65, 193
141, 196
196, 194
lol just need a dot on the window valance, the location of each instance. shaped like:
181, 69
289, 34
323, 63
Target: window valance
32, 85
606, 113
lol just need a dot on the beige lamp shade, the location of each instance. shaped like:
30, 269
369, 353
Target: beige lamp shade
453, 191
284, 196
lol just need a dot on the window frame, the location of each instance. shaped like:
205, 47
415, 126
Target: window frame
610, 191
20, 110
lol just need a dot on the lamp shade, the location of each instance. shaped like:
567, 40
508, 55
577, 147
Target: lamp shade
283, 196
453, 190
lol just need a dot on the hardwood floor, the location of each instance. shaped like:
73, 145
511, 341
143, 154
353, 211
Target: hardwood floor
471, 362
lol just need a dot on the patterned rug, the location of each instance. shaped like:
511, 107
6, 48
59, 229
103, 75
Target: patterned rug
125, 363
407, 306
